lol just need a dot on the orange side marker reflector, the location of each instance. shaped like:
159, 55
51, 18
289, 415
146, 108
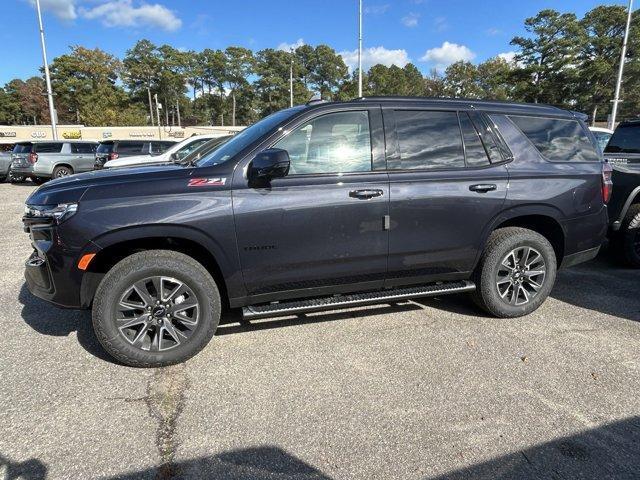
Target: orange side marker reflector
85, 260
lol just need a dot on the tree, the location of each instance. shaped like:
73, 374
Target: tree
327, 71
549, 57
461, 81
139, 71
238, 66
494, 79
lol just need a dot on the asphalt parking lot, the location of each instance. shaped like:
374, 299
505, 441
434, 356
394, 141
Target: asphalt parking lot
427, 389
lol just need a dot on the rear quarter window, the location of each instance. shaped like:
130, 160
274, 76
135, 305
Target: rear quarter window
131, 148
48, 147
626, 139
558, 140
83, 148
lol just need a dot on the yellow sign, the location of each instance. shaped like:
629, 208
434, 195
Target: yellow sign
72, 135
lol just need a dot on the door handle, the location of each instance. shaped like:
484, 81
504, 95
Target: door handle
365, 194
483, 187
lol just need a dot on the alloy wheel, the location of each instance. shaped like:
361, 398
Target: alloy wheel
157, 313
521, 275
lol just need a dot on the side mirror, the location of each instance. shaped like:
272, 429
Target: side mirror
268, 164
175, 156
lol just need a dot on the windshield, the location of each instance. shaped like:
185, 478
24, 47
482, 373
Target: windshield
626, 139
204, 149
602, 138
247, 136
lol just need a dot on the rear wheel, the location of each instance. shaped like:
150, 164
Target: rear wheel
516, 272
156, 308
629, 237
62, 171
15, 178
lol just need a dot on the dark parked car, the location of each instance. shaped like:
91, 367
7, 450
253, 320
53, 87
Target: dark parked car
323, 206
623, 153
113, 149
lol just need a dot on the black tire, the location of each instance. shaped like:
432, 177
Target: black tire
629, 237
135, 268
13, 178
500, 244
38, 180
62, 171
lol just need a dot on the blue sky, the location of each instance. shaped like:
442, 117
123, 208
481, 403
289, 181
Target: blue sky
429, 33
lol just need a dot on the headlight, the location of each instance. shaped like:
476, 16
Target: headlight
58, 213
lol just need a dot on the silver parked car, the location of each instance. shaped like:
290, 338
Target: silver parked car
5, 161
53, 159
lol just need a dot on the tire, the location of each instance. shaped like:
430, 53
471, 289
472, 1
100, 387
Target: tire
499, 275
13, 178
629, 237
38, 180
116, 294
62, 171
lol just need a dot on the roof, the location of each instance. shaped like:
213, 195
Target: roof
470, 103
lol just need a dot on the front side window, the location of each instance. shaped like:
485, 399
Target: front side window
428, 140
626, 139
332, 143
558, 140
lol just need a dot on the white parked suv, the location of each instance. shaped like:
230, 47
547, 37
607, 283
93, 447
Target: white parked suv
174, 153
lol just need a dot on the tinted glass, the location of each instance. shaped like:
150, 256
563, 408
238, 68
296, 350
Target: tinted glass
625, 139
487, 137
48, 147
105, 148
428, 140
248, 136
332, 143
130, 147
22, 148
83, 148
473, 149
558, 140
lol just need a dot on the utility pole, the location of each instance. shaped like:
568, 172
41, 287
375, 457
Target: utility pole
359, 48
623, 55
291, 81
178, 112
155, 96
52, 110
150, 106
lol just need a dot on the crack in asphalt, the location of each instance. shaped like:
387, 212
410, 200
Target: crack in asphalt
165, 400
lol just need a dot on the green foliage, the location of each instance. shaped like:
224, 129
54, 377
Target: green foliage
562, 60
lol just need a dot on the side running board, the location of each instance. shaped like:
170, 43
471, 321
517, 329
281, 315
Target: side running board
278, 309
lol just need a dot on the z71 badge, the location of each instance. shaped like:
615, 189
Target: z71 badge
207, 182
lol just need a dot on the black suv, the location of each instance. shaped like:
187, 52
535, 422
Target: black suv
623, 153
323, 206
112, 149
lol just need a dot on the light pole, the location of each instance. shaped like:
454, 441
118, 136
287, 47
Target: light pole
158, 107
291, 81
616, 100
359, 48
52, 110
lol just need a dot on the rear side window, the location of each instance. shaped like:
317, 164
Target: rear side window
48, 147
626, 139
558, 140
105, 148
473, 150
83, 148
427, 140
130, 147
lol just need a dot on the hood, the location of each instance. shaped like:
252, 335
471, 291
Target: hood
70, 189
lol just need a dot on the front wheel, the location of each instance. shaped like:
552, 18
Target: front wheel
156, 308
516, 272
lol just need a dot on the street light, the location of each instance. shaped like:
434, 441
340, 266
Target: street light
616, 100
359, 48
291, 80
52, 110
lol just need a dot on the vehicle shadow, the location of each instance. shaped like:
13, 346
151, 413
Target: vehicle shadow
601, 285
57, 322
608, 451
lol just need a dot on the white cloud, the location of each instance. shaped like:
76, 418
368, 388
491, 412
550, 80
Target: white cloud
447, 54
377, 9
509, 57
63, 9
288, 46
493, 31
440, 24
375, 55
123, 13
411, 20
